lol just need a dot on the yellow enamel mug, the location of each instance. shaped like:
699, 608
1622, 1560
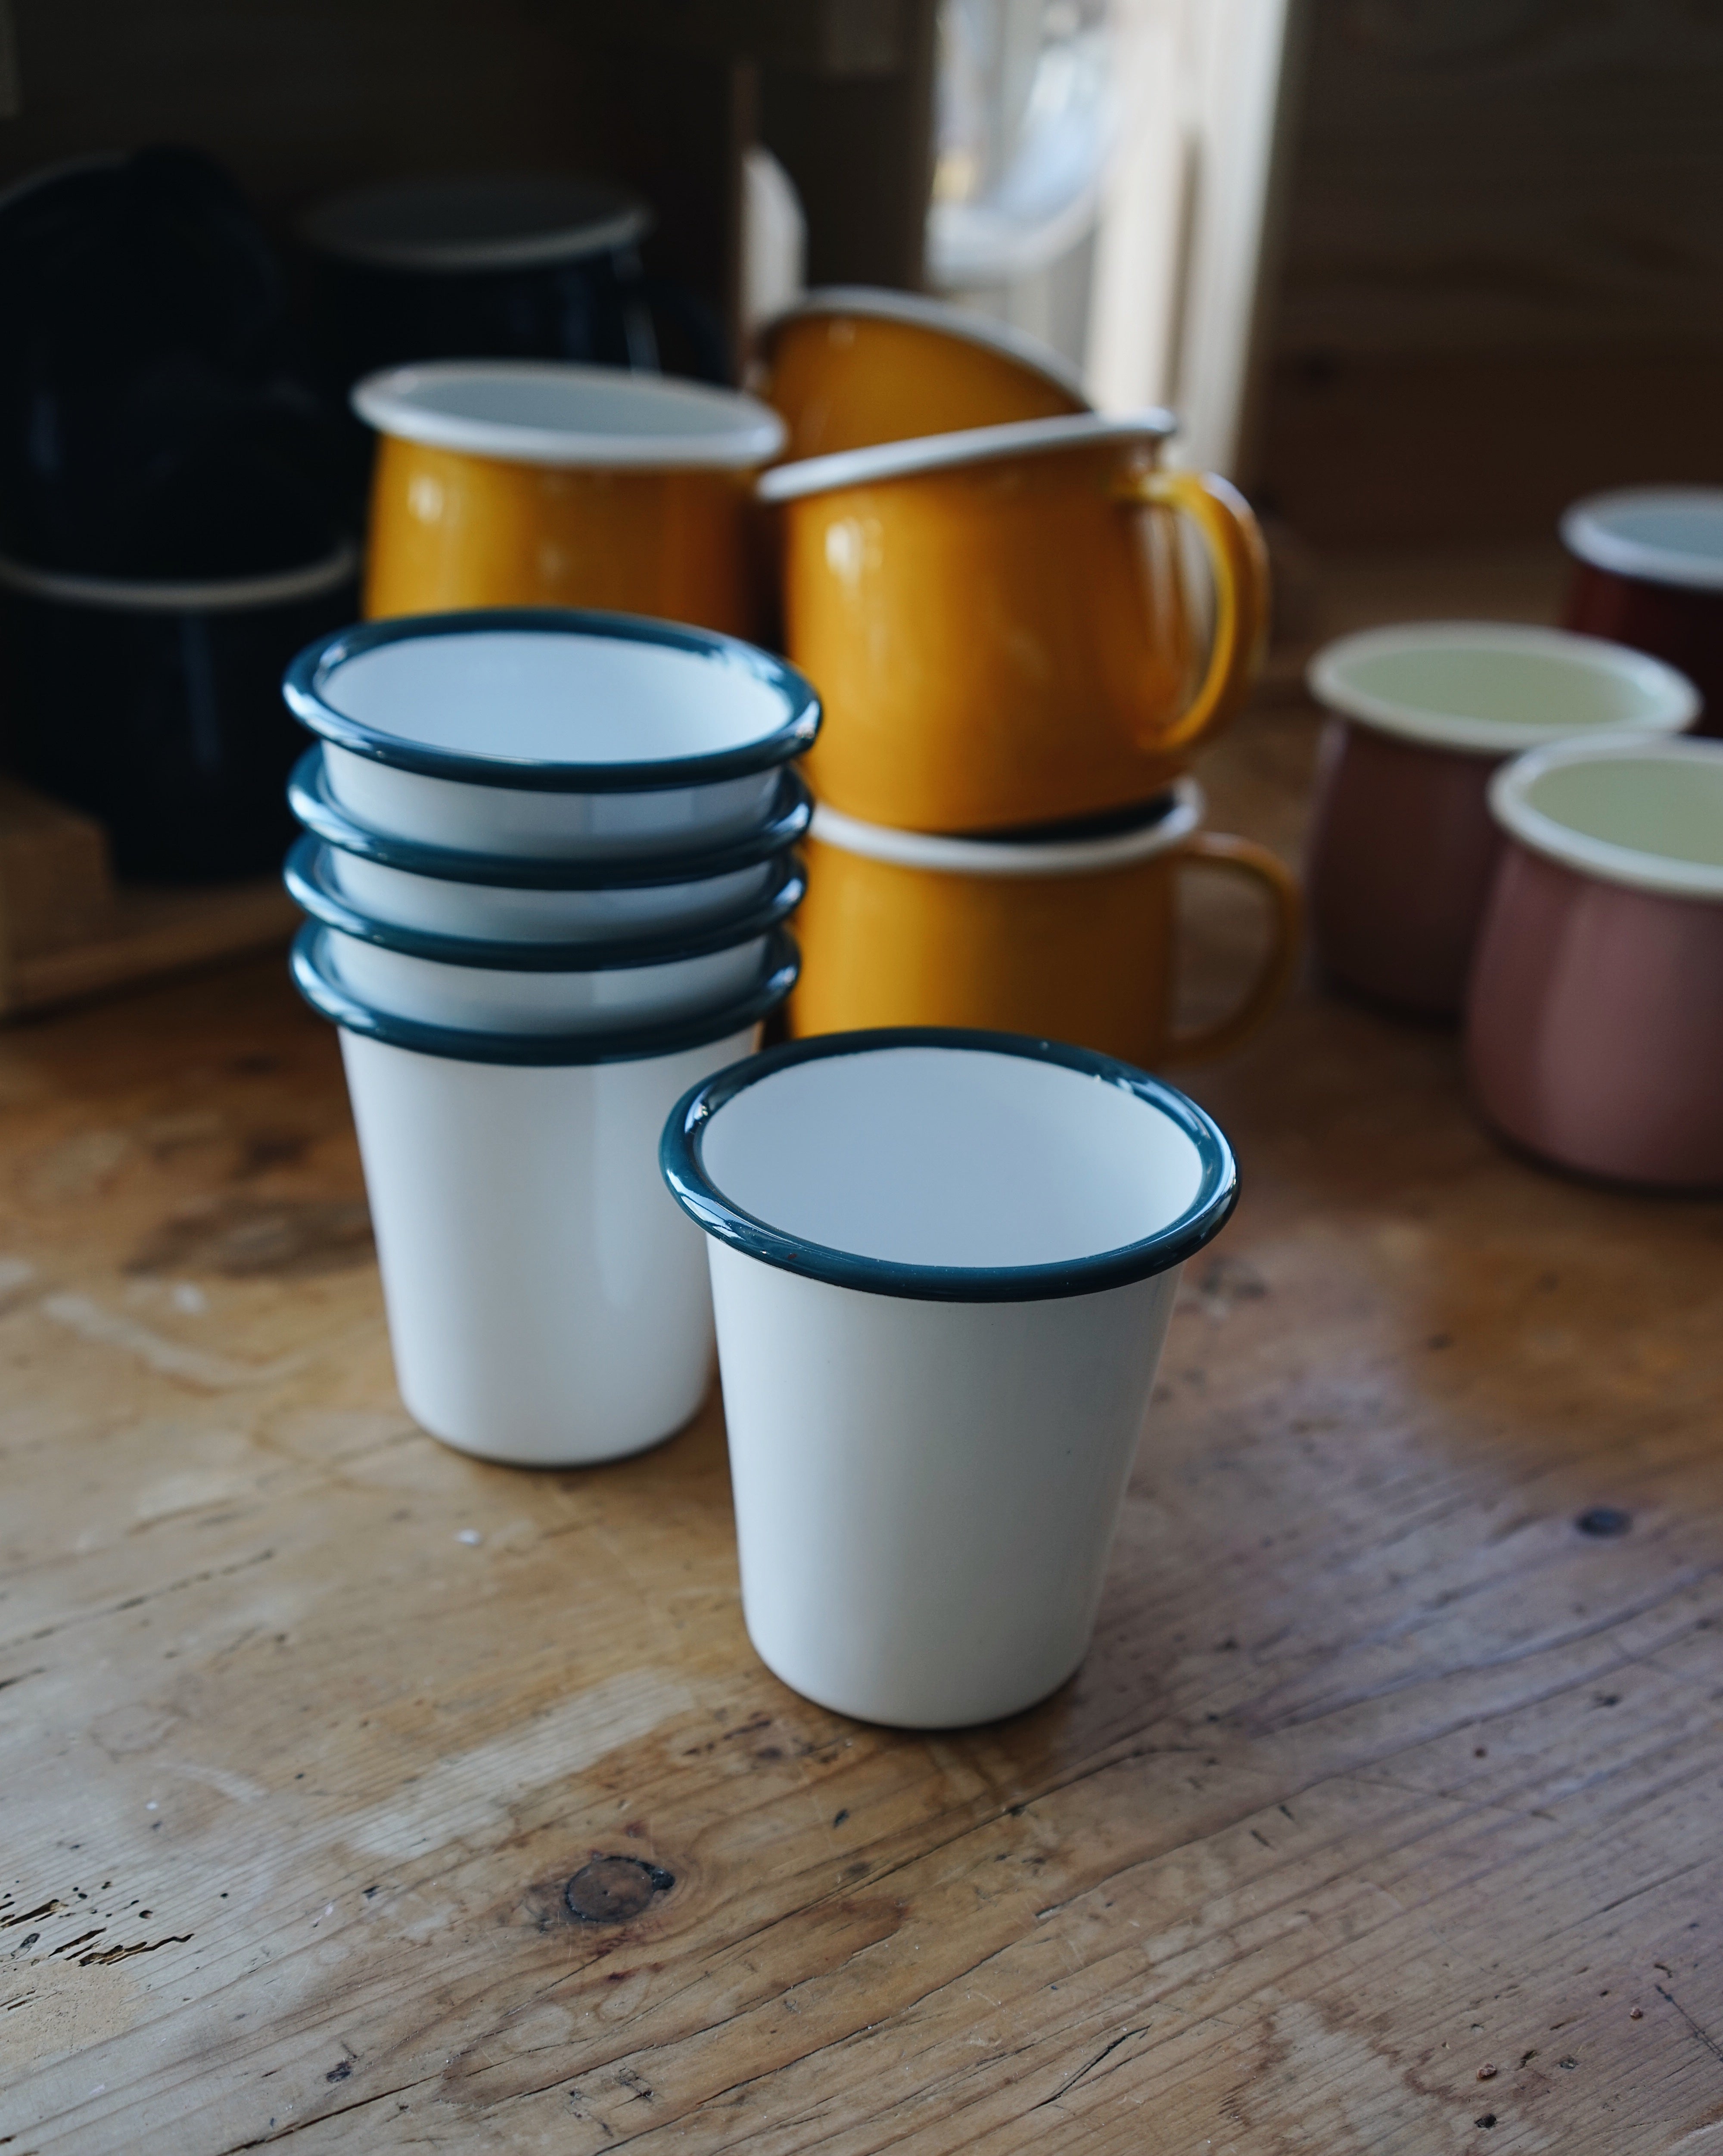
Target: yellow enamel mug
997, 623
852, 365
536, 482
1067, 938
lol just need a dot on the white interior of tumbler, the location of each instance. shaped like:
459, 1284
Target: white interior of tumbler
553, 697
932, 1155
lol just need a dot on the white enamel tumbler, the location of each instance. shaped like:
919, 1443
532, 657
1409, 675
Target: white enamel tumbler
943, 1264
548, 1305
550, 731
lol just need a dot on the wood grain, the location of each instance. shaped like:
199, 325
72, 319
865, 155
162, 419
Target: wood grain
1382, 1770
67, 930
1502, 273
1506, 176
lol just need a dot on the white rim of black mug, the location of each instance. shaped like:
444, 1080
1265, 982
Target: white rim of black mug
63, 168
617, 219
398, 401
200, 595
917, 311
309, 798
307, 674
973, 445
329, 998
1587, 534
311, 890
1464, 735
1605, 861
683, 1165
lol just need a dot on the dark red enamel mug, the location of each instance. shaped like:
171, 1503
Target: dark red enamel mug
1649, 571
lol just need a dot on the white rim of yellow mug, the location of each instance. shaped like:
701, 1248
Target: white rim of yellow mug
973, 445
1160, 831
553, 412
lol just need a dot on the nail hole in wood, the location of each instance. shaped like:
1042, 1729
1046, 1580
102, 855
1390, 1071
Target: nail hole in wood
612, 1889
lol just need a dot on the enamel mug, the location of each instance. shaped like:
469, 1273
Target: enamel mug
998, 622
546, 1303
1649, 571
546, 733
942, 1264
510, 483
1594, 1026
853, 365
1073, 938
471, 265
155, 706
1402, 848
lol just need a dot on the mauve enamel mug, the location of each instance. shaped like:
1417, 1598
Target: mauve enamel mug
1402, 848
1595, 1019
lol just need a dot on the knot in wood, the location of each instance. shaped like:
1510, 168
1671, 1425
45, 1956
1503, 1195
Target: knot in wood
612, 1889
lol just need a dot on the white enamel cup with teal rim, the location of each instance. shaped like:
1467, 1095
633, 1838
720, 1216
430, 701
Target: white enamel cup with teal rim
547, 731
512, 898
491, 985
547, 1304
943, 1264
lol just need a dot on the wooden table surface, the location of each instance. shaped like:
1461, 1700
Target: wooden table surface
1384, 1815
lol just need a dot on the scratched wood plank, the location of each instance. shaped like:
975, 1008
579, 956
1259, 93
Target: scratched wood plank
1380, 1773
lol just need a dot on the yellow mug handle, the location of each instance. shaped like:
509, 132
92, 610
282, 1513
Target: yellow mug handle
1255, 864
1239, 563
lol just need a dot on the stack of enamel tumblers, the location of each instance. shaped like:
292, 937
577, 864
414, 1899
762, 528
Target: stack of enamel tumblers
548, 859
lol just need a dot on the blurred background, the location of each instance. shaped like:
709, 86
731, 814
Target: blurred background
1366, 247
1415, 274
